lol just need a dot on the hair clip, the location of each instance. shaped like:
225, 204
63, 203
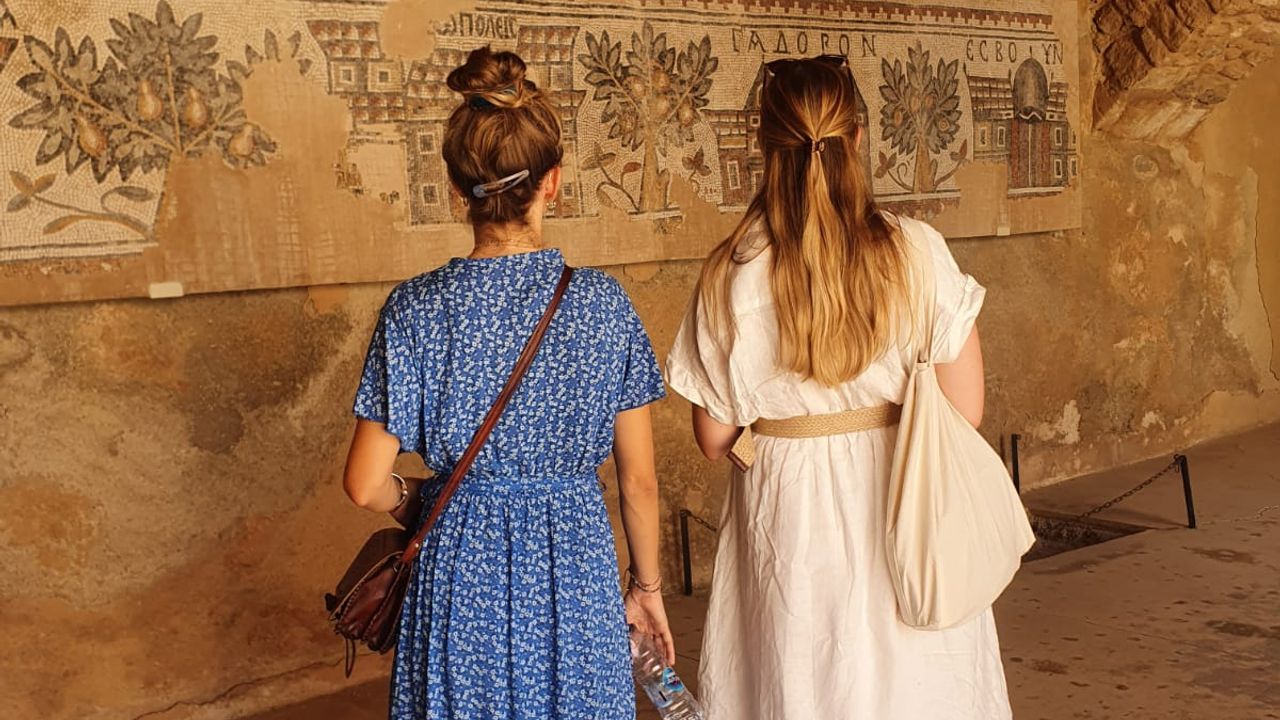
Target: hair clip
817, 146
499, 186
478, 101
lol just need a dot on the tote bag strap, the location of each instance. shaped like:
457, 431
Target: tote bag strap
925, 286
490, 420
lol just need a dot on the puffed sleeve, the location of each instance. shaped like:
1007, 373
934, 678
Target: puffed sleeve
959, 298
698, 368
390, 388
641, 378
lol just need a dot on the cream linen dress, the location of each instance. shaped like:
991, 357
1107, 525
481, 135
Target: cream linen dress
803, 622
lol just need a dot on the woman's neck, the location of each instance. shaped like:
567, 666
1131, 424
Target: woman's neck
498, 239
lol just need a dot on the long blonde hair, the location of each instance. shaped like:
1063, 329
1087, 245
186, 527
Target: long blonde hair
839, 272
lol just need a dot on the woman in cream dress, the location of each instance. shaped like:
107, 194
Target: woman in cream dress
802, 312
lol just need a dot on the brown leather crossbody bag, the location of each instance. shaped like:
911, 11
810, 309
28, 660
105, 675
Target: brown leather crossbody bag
365, 607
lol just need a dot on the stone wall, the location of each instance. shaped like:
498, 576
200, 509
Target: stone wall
1166, 63
170, 500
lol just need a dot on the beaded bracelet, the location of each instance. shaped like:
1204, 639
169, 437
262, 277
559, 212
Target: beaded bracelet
635, 582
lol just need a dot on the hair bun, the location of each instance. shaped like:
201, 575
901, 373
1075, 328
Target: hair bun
492, 80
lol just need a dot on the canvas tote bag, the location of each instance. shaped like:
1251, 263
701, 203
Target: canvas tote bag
957, 529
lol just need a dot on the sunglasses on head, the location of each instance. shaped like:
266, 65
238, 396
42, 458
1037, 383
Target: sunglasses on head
773, 66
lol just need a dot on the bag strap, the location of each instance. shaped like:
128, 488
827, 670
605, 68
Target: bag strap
930, 305
490, 420
927, 284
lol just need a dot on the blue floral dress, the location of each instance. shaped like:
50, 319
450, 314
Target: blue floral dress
513, 611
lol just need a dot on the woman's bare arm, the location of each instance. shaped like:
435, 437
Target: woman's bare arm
962, 380
367, 478
638, 488
715, 439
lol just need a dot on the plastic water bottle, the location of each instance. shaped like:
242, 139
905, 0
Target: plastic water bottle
672, 699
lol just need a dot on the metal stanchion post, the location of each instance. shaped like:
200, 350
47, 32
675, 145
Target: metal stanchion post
1017, 471
684, 547
1186, 491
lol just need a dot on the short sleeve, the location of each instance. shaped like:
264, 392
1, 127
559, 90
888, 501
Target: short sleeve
959, 298
699, 370
390, 388
641, 378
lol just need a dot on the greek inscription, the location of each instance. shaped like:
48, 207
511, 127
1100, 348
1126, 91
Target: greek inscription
480, 25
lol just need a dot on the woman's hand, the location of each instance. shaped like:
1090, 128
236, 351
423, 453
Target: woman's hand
647, 615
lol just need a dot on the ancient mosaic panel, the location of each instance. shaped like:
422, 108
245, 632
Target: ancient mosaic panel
160, 148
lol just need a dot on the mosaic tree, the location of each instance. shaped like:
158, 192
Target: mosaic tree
159, 95
921, 115
653, 98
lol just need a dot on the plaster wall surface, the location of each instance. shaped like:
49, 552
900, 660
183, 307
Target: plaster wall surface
170, 500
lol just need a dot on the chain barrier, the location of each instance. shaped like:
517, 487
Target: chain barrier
685, 515
1130, 493
704, 523
1082, 516
1177, 463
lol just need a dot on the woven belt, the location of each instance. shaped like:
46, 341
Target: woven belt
811, 426
849, 421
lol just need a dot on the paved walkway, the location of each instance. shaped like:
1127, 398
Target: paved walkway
1168, 624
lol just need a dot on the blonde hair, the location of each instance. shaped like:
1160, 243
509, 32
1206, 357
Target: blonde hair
504, 125
839, 272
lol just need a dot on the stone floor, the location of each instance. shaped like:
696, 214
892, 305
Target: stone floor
1168, 624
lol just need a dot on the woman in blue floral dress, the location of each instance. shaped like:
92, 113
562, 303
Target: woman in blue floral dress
513, 610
